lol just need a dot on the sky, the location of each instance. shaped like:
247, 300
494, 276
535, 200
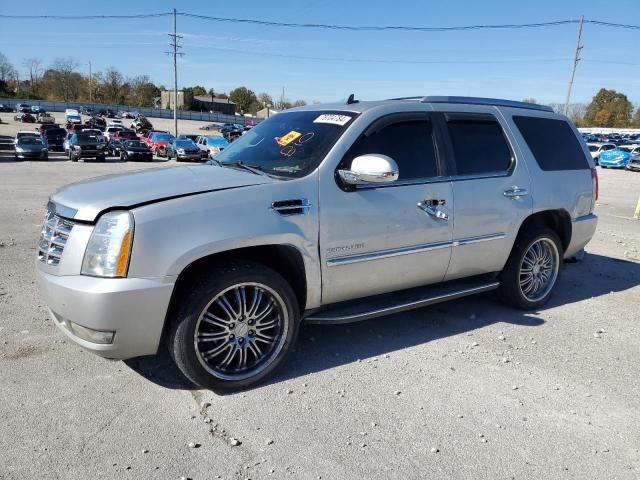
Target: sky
327, 65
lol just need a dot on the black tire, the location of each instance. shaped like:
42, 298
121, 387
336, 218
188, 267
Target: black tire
510, 289
101, 158
72, 157
124, 157
186, 318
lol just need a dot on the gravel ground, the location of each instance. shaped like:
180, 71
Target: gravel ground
468, 389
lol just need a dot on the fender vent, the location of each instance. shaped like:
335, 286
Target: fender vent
297, 206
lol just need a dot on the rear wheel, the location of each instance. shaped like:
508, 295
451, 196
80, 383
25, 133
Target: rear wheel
235, 328
533, 269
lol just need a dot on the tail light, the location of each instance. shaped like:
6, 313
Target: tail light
594, 181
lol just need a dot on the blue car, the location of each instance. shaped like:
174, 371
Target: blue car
618, 157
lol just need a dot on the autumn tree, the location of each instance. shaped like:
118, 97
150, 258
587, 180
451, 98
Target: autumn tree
636, 118
608, 108
34, 67
7, 71
529, 100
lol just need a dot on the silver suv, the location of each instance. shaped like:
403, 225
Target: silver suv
325, 214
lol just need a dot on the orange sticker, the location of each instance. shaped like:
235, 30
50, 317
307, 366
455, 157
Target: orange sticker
288, 138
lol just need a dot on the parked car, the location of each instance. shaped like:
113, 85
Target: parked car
141, 124
25, 118
86, 110
115, 123
616, 158
46, 118
97, 122
5, 108
634, 163
190, 136
595, 149
124, 134
22, 108
323, 214
31, 147
110, 131
158, 143
46, 126
146, 136
183, 149
211, 145
210, 126
82, 145
55, 138
135, 150
37, 109
114, 147
71, 119
95, 131
25, 133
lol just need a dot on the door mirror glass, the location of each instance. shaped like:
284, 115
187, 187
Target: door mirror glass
370, 169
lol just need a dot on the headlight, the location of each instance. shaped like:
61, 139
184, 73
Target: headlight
109, 247
19, 149
44, 149
181, 151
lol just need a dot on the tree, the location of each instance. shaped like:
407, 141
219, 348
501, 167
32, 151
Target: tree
62, 80
243, 98
34, 67
608, 108
198, 90
576, 113
7, 72
529, 100
299, 103
265, 99
636, 118
112, 86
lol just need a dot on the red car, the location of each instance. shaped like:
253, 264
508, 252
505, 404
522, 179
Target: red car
76, 127
125, 134
146, 138
158, 143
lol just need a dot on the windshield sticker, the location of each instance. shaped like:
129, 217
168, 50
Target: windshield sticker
288, 138
290, 150
333, 119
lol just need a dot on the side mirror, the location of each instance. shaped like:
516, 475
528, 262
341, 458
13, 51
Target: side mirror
370, 169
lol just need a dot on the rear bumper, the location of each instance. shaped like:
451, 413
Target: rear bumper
133, 308
582, 230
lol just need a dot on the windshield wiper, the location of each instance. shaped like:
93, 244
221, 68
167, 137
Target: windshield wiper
252, 168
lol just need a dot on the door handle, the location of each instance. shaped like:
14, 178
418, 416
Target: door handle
430, 208
516, 192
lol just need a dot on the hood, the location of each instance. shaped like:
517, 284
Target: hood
87, 199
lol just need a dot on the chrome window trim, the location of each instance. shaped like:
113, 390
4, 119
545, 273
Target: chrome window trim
395, 252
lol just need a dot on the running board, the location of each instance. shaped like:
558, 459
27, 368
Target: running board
390, 303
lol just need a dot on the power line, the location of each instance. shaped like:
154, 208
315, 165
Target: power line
87, 17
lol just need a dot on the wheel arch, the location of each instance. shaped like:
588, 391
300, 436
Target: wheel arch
557, 220
287, 260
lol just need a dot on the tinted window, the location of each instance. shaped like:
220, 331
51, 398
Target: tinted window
553, 143
410, 144
479, 147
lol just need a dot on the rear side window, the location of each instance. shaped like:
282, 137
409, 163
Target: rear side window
410, 144
479, 146
553, 143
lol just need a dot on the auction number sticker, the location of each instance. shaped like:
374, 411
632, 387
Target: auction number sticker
333, 119
288, 138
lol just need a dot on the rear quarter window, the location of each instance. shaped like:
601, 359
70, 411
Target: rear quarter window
553, 143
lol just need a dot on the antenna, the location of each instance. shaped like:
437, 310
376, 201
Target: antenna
352, 99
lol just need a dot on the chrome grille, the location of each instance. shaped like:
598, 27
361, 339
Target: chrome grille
53, 238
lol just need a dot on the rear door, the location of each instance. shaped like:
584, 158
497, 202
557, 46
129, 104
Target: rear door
491, 187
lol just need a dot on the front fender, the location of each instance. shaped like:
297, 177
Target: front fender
171, 235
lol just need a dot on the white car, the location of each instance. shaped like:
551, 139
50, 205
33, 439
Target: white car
25, 133
115, 122
211, 144
595, 149
111, 129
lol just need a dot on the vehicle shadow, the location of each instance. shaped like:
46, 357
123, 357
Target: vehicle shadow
324, 347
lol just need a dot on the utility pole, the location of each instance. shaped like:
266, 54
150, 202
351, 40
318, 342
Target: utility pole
174, 43
576, 59
90, 97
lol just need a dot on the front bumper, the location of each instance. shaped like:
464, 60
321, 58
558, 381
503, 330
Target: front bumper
634, 166
26, 155
133, 308
189, 156
582, 230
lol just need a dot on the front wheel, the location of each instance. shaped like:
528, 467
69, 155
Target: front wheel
235, 328
533, 269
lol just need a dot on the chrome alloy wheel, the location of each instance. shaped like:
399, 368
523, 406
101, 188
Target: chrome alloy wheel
539, 269
241, 331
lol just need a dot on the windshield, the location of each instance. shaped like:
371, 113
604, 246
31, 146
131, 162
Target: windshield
290, 144
593, 148
134, 144
85, 139
30, 141
625, 149
162, 137
185, 143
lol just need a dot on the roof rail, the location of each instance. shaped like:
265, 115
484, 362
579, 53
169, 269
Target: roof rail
486, 101
417, 97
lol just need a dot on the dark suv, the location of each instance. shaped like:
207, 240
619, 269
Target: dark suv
82, 145
55, 138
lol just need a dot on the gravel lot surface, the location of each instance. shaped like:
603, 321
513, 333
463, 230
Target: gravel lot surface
468, 389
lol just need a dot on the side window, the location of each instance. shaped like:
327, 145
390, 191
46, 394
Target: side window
410, 144
479, 146
609, 147
553, 143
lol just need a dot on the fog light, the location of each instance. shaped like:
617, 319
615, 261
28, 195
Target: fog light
90, 335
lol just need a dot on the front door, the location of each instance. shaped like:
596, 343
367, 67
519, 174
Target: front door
377, 239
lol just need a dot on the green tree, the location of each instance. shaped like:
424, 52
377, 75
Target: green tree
608, 108
243, 98
636, 118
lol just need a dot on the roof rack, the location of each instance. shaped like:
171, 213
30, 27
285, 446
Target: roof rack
496, 102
